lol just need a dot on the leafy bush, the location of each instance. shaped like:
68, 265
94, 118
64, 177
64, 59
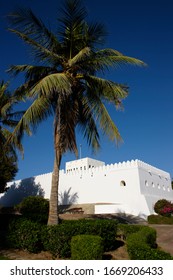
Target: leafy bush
141, 246
158, 219
125, 230
24, 234
163, 207
35, 208
86, 247
57, 239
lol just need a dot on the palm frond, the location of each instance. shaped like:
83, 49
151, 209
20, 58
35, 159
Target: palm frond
87, 124
103, 59
58, 82
80, 57
39, 110
25, 21
13, 145
108, 90
120, 60
94, 34
40, 50
102, 116
106, 123
72, 14
71, 20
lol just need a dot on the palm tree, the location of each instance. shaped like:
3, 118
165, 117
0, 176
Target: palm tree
65, 81
8, 120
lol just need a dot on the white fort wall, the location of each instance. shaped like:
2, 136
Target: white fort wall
131, 187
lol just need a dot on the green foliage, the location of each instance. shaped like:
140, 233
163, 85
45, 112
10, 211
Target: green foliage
142, 246
158, 219
8, 119
57, 239
35, 208
8, 168
125, 229
86, 247
162, 205
25, 234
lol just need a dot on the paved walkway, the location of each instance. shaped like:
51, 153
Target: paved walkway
164, 237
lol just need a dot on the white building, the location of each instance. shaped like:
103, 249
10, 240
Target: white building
130, 187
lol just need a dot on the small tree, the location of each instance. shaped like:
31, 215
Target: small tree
8, 168
8, 119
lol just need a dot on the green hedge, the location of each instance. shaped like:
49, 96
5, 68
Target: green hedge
124, 230
86, 247
158, 219
142, 246
57, 239
24, 234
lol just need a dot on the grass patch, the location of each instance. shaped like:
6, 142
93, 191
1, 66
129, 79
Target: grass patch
3, 257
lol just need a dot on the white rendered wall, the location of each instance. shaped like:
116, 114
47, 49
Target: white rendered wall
131, 187
154, 184
103, 187
82, 164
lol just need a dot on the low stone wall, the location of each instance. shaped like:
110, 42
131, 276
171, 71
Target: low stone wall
86, 208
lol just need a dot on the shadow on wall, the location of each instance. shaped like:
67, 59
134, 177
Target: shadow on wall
66, 199
16, 193
130, 218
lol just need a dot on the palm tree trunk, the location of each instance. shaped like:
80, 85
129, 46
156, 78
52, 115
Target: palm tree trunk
53, 204
53, 218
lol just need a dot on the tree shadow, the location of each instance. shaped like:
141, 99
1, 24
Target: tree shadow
66, 199
17, 192
131, 219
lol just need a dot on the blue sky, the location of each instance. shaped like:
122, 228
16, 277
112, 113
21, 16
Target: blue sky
137, 28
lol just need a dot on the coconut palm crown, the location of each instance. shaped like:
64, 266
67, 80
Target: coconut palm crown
65, 82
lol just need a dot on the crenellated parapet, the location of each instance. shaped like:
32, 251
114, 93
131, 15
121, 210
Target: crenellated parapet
125, 165
152, 169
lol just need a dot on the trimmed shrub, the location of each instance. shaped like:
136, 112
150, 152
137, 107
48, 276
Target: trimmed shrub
86, 247
57, 239
142, 246
24, 234
35, 208
158, 219
125, 230
163, 207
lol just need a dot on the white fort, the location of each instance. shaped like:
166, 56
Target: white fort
130, 187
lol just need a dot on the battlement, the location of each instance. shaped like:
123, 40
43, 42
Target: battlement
101, 167
82, 165
90, 166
